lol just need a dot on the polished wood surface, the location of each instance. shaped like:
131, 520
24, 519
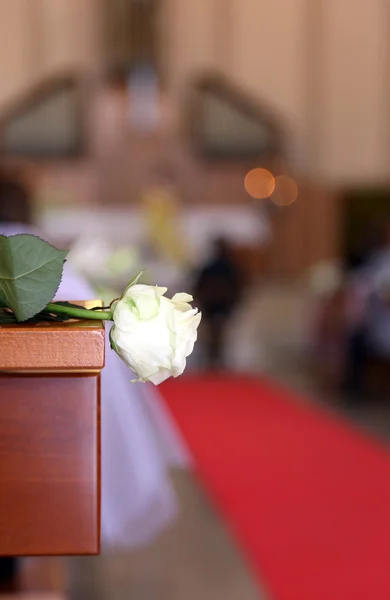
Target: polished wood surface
72, 345
49, 464
36, 596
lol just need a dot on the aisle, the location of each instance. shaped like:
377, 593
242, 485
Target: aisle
307, 497
194, 559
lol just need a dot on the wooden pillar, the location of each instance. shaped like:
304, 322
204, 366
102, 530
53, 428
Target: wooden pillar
305, 233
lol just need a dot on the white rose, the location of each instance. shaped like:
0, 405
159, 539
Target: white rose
153, 334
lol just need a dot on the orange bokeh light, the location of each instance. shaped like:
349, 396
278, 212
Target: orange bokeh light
285, 191
259, 183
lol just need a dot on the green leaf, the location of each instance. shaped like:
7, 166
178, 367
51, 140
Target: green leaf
30, 273
134, 281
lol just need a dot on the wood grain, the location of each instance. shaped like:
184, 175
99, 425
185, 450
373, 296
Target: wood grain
74, 345
49, 464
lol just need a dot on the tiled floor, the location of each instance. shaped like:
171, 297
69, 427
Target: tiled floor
194, 560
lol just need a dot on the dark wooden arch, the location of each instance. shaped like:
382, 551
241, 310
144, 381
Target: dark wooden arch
28, 113
271, 142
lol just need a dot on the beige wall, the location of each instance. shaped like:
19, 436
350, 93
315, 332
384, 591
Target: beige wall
322, 65
71, 33
16, 64
267, 57
355, 106
39, 37
189, 38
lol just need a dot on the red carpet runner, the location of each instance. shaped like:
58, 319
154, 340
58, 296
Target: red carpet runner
307, 497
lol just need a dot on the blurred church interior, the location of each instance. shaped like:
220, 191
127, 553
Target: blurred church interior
145, 130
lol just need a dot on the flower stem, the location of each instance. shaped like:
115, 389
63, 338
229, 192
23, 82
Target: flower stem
79, 313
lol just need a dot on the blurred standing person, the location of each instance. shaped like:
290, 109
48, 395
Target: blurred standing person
368, 315
217, 290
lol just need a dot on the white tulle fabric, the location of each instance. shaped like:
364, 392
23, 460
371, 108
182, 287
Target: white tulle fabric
139, 443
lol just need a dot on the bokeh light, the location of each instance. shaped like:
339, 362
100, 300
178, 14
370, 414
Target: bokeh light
285, 191
259, 183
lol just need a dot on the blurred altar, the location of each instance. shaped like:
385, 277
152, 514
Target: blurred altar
108, 244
